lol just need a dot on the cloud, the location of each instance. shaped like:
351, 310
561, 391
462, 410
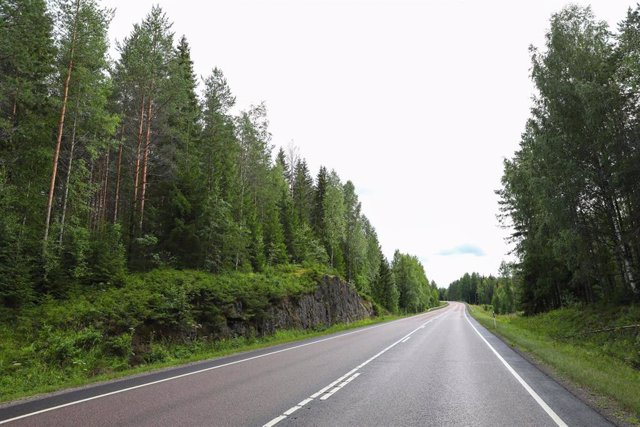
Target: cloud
465, 249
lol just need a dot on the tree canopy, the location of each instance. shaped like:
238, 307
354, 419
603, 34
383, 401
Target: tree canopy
571, 191
116, 166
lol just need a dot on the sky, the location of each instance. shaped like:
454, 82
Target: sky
416, 102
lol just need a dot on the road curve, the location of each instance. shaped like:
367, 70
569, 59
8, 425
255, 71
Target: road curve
438, 368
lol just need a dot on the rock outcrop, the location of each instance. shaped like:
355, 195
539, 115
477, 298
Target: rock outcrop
334, 301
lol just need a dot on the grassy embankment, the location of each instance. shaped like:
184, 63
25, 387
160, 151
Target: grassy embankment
154, 320
605, 363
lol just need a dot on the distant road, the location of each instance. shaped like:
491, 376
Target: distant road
439, 368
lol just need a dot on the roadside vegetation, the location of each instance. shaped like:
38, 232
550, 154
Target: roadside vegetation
584, 344
571, 193
141, 216
155, 319
38, 374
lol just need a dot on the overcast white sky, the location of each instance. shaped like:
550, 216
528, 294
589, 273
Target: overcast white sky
416, 102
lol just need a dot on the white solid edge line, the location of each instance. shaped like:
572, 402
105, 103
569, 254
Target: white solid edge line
522, 382
99, 396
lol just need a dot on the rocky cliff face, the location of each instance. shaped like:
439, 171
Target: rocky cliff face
333, 302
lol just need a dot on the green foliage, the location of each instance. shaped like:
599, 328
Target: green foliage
570, 192
499, 292
145, 320
384, 288
24, 371
414, 289
27, 52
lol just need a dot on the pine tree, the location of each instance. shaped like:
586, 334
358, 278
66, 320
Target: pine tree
318, 213
26, 118
71, 27
384, 288
302, 192
176, 222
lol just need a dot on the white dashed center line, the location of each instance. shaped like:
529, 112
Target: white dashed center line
339, 386
328, 390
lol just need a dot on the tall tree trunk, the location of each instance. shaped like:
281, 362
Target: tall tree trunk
136, 178
621, 246
136, 175
116, 197
68, 178
91, 199
96, 196
63, 110
145, 163
106, 186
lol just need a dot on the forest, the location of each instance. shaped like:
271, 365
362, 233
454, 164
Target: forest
500, 293
113, 167
571, 192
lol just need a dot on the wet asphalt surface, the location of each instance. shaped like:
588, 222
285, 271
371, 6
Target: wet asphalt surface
428, 370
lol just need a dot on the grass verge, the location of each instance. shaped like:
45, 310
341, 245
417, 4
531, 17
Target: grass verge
603, 364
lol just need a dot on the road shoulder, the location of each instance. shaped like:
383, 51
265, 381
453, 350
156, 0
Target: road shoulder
572, 409
606, 407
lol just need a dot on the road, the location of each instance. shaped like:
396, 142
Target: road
438, 368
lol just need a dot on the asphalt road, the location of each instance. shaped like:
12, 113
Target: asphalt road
439, 368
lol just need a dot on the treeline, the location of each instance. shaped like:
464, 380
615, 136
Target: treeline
404, 286
108, 167
500, 292
572, 191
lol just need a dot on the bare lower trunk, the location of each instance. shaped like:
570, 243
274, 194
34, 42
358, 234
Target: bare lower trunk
621, 249
145, 164
91, 199
95, 197
68, 178
105, 190
63, 110
116, 197
136, 176
136, 179
624, 248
